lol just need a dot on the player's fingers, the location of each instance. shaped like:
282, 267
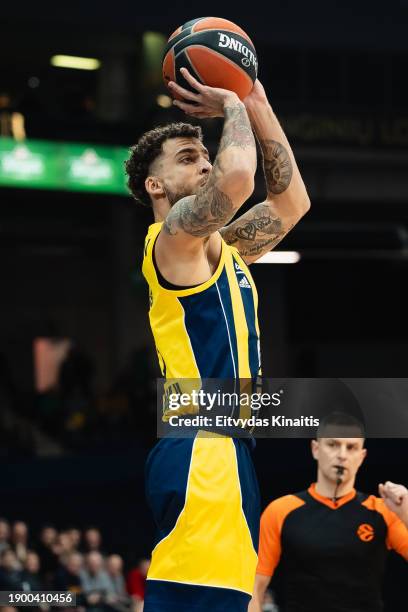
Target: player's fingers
184, 93
203, 115
184, 106
193, 110
193, 82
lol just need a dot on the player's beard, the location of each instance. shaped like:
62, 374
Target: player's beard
175, 196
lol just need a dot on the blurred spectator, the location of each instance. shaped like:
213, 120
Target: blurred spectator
10, 575
119, 599
30, 576
48, 536
45, 549
75, 535
63, 545
136, 580
4, 534
114, 567
95, 582
67, 577
92, 540
19, 540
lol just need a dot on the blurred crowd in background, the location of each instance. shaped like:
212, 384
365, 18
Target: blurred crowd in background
69, 560
75, 561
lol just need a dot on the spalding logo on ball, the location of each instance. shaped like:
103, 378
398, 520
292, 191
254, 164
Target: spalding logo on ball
216, 52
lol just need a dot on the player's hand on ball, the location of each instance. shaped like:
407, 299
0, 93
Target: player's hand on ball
395, 497
206, 102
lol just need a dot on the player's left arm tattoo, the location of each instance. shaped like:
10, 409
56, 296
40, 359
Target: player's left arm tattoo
277, 165
256, 232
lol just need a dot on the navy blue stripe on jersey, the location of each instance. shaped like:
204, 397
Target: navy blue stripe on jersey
251, 504
178, 597
209, 323
249, 307
166, 476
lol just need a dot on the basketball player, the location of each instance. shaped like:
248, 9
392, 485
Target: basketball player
203, 302
332, 540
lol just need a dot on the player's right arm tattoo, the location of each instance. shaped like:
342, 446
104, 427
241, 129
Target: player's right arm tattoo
237, 129
200, 215
212, 208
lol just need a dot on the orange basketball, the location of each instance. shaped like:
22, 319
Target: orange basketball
216, 52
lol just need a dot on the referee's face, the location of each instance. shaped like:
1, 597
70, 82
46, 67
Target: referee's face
332, 453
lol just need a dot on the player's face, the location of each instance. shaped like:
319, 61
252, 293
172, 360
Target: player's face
331, 453
183, 167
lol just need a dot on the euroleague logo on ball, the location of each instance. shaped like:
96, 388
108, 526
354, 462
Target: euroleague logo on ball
230, 42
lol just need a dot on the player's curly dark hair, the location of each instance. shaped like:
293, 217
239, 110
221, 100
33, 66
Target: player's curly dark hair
145, 151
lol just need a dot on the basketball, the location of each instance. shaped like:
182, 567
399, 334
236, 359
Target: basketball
217, 52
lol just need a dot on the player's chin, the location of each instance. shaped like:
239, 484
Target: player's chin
202, 184
179, 195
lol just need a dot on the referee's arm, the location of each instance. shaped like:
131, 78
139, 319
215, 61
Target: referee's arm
395, 497
261, 584
269, 550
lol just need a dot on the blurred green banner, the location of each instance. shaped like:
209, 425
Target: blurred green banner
67, 166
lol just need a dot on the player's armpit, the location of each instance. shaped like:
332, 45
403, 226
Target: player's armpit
259, 230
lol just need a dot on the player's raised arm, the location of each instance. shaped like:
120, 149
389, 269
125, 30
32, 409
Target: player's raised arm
231, 180
264, 225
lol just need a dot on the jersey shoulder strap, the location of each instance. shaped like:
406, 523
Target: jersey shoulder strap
148, 268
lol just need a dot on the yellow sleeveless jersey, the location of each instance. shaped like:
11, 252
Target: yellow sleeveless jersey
207, 331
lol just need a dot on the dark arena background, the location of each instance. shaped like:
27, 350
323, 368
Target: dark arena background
77, 360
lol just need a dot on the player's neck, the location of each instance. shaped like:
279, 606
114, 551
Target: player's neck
326, 487
160, 210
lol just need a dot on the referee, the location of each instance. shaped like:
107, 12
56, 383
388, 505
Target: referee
331, 541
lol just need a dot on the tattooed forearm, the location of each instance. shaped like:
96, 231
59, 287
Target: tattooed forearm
237, 129
260, 246
278, 167
265, 224
258, 223
202, 215
256, 232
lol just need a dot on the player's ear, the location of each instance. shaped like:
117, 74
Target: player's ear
154, 186
314, 446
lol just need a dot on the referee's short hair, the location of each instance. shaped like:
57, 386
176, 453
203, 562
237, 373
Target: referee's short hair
340, 425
